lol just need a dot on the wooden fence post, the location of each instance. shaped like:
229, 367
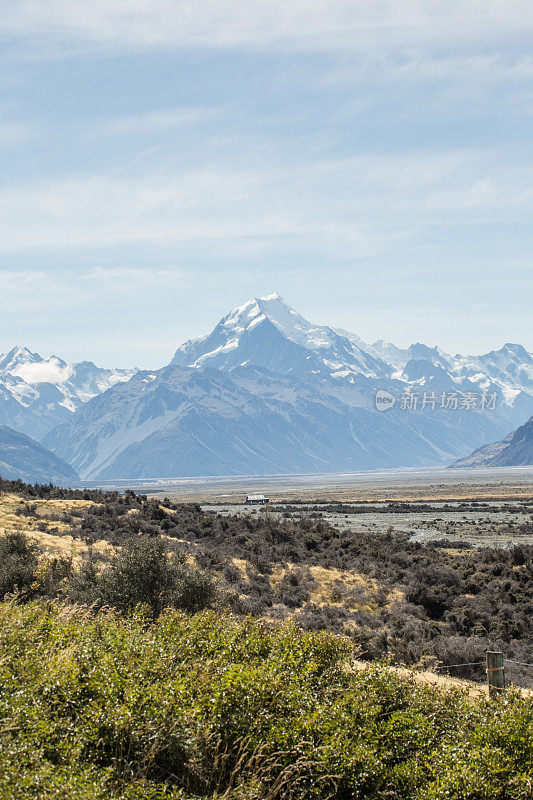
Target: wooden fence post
495, 672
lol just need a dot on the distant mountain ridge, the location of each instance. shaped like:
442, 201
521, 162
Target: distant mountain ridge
514, 450
37, 394
24, 458
288, 342
268, 392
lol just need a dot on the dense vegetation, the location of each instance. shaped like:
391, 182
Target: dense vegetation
411, 603
168, 668
96, 705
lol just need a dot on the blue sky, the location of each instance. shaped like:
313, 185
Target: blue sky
163, 162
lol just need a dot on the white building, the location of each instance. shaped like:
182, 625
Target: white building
257, 498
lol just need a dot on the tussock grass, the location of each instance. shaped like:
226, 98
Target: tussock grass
43, 525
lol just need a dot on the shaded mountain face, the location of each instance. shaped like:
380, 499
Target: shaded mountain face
267, 392
514, 450
416, 352
266, 333
24, 458
37, 394
199, 421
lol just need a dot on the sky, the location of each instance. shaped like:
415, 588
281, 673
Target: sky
162, 162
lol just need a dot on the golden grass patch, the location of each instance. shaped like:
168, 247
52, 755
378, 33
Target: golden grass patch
54, 540
335, 587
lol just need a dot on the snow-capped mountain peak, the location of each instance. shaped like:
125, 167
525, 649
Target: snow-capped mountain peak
15, 357
38, 393
269, 334
286, 319
20, 362
267, 391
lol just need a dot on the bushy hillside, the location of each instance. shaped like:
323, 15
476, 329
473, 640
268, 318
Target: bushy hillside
209, 706
407, 601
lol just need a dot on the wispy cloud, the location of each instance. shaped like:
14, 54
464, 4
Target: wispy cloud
153, 122
25, 282
245, 141
440, 84
159, 277
316, 24
361, 202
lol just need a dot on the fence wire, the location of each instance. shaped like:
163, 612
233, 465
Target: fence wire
478, 663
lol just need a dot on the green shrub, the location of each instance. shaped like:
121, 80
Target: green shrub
208, 706
143, 572
194, 590
19, 559
140, 573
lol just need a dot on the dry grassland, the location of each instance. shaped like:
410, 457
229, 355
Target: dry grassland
55, 540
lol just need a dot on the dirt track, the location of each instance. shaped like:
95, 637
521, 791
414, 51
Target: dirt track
476, 691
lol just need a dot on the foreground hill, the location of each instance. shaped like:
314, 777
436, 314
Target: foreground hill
24, 458
396, 598
268, 392
138, 672
515, 450
208, 706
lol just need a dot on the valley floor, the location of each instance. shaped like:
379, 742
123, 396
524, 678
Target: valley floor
475, 522
398, 484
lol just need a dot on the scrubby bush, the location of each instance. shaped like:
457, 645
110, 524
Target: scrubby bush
19, 559
207, 706
194, 590
143, 572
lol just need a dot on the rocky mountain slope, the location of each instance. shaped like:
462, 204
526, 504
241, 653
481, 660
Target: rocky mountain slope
24, 458
267, 392
514, 450
36, 393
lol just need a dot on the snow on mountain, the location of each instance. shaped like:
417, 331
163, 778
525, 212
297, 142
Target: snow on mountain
37, 393
508, 371
391, 354
183, 421
511, 367
267, 391
399, 357
266, 332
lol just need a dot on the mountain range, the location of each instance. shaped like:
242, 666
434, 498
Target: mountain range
37, 394
514, 450
268, 392
22, 457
